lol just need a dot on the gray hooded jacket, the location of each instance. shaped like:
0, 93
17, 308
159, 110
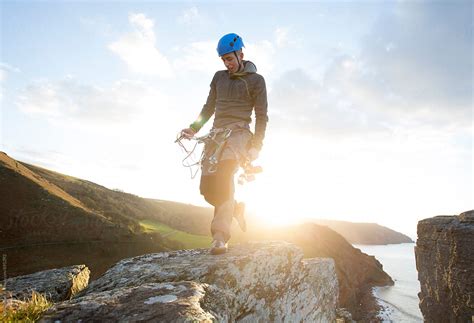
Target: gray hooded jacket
233, 98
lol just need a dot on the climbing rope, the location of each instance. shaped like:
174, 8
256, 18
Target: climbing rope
217, 137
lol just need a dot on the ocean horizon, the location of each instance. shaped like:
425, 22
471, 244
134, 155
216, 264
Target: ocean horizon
400, 301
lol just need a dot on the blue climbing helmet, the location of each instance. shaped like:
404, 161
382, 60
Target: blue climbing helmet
229, 43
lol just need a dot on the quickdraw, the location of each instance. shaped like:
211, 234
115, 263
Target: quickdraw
216, 139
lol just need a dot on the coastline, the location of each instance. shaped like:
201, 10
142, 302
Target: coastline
397, 303
370, 308
389, 312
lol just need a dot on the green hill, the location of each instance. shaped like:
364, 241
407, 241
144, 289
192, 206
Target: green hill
188, 240
44, 226
365, 233
130, 208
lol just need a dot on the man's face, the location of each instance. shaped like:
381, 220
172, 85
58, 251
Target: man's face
231, 61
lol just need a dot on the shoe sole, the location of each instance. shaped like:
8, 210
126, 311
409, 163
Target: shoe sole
218, 251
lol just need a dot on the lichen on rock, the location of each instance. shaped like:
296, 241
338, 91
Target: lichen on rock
56, 284
253, 282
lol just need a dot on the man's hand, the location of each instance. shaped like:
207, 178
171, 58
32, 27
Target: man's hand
253, 154
188, 133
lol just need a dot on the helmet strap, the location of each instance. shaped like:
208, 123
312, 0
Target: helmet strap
240, 65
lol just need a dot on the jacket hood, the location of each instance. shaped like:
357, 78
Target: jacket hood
249, 68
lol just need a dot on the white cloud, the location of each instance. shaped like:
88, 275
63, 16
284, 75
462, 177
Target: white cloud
70, 100
190, 16
41, 98
3, 75
202, 56
300, 103
405, 76
282, 37
417, 61
6, 69
262, 53
285, 37
138, 49
143, 24
198, 56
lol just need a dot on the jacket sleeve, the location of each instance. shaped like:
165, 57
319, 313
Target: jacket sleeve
208, 109
261, 117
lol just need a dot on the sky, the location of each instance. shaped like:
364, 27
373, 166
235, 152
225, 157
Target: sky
370, 102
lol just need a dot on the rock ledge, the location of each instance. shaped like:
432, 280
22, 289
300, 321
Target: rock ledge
253, 282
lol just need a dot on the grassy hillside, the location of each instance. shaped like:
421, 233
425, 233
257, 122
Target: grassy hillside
131, 208
365, 233
188, 240
34, 210
44, 226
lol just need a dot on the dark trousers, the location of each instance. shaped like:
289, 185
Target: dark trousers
218, 190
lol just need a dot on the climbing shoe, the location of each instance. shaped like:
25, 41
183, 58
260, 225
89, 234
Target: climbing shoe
239, 215
218, 247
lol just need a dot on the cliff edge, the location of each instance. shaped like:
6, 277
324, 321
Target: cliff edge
445, 263
264, 281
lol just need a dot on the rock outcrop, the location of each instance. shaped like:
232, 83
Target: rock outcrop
445, 263
254, 282
357, 272
56, 284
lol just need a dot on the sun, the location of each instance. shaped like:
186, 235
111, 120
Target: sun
277, 195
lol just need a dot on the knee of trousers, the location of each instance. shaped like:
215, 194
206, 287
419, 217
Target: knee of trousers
208, 189
219, 187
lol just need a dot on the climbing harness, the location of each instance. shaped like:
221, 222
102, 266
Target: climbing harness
216, 139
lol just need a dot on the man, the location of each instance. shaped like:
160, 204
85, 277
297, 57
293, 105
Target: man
235, 93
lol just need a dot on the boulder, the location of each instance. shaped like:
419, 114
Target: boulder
56, 284
253, 282
184, 301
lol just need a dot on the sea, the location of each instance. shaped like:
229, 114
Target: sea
399, 302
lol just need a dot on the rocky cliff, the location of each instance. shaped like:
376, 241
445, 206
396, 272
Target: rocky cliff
356, 271
445, 263
255, 282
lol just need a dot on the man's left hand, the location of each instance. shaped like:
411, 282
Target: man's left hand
253, 154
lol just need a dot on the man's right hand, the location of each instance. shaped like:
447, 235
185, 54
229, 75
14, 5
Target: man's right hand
188, 133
